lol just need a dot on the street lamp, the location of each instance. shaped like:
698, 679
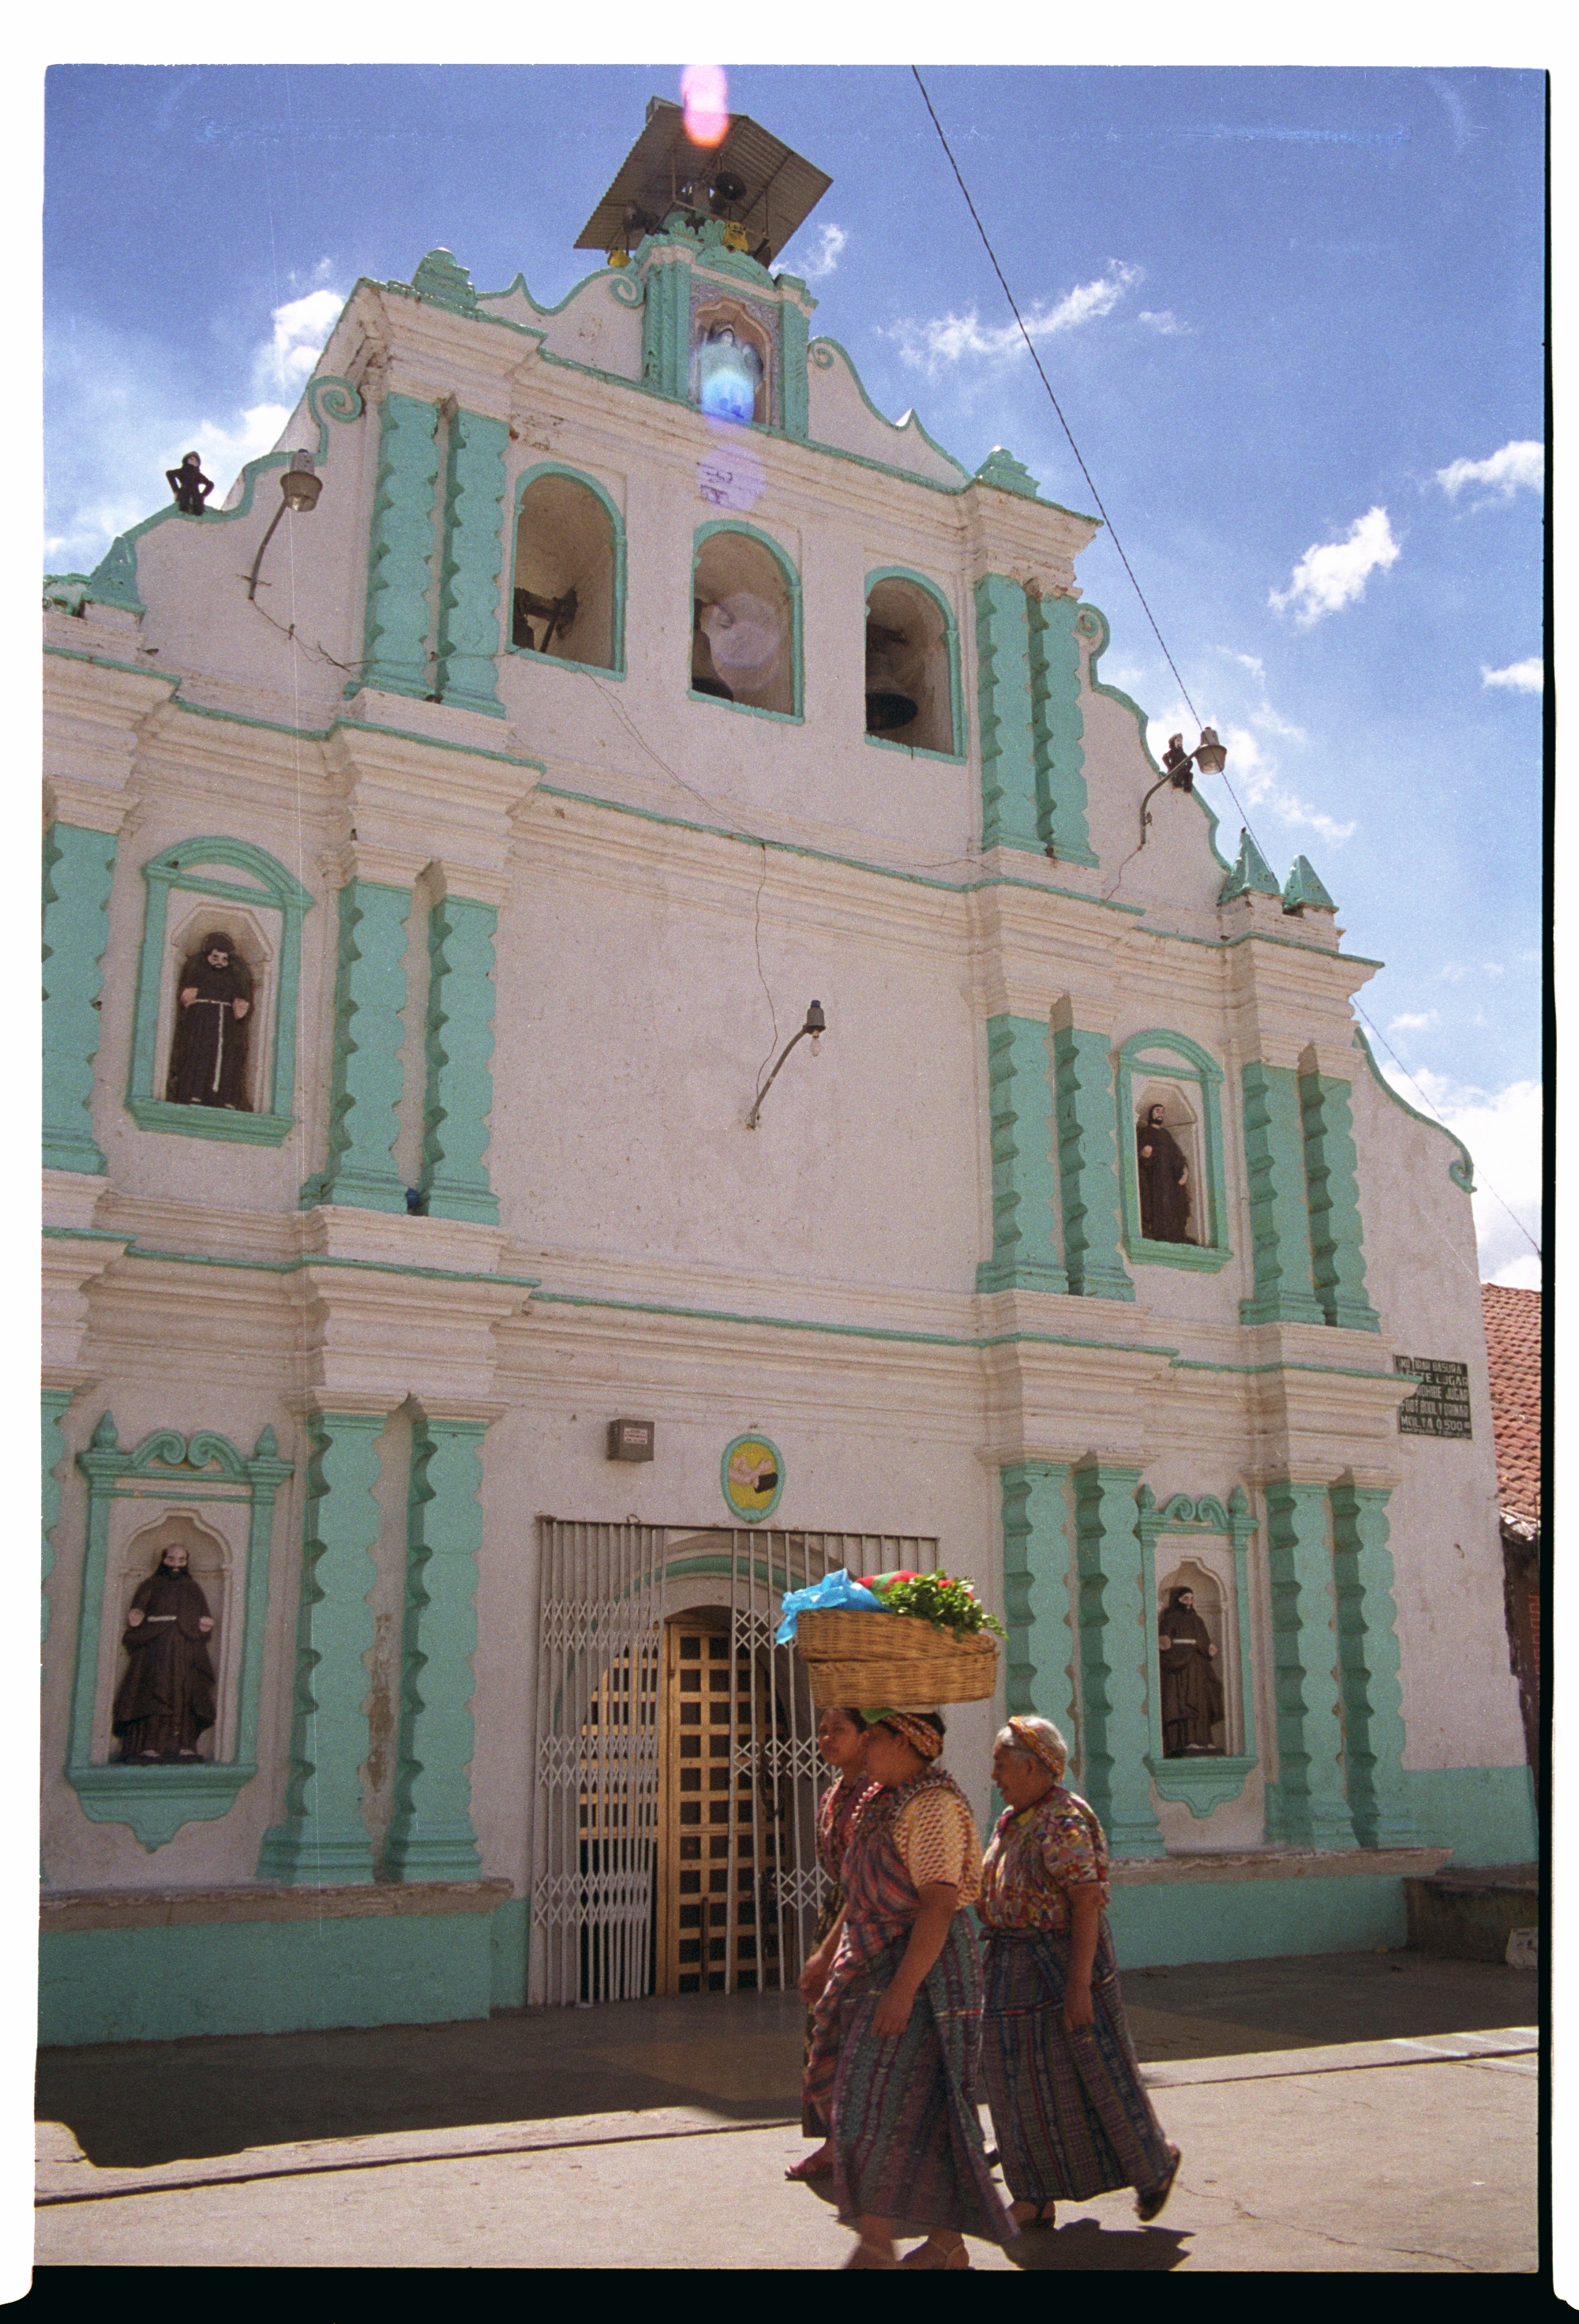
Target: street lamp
300, 487
817, 1025
1178, 767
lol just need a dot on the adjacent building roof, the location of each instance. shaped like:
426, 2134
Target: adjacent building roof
1513, 1335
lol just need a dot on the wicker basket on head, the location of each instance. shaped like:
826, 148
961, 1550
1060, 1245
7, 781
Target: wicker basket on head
900, 1660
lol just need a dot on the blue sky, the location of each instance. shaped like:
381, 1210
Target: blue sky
1294, 317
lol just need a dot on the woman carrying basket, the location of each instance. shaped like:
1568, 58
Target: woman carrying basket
841, 1737
897, 2028
1069, 2109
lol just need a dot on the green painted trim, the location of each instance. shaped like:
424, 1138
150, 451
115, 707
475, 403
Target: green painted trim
166, 1466
178, 869
54, 1403
106, 661
1302, 887
1463, 1171
1337, 1247
431, 1834
705, 532
468, 639
794, 339
620, 279
1042, 1649
458, 1097
750, 1517
1113, 1638
1004, 716
370, 993
1088, 1164
666, 329
308, 1260
616, 668
323, 1840
1206, 1784
1172, 1923
510, 1952
1487, 1815
1059, 727
1020, 1122
821, 352
1374, 1739
1251, 874
1183, 1060
1142, 721
1279, 1214
951, 640
751, 709
80, 869
400, 551
263, 1976
1305, 1807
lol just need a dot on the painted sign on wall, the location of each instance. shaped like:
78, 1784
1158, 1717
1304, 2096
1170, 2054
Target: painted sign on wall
752, 1476
1440, 1405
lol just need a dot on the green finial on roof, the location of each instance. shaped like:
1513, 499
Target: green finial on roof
1304, 888
442, 279
1251, 874
1009, 474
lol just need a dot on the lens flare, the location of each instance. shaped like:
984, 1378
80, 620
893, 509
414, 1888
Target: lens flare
704, 94
747, 639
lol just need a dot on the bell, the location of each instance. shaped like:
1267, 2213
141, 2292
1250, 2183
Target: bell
1210, 755
889, 703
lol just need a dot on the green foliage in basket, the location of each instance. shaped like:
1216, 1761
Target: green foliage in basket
940, 1598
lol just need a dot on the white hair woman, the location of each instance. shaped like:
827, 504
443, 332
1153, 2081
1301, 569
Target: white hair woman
1069, 2109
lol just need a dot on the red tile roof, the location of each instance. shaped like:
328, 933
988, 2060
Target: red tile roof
1513, 1347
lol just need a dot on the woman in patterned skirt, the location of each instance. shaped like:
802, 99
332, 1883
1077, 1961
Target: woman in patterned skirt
897, 2032
1070, 2112
842, 1739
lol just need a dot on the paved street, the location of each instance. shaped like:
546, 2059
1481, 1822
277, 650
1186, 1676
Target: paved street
656, 2134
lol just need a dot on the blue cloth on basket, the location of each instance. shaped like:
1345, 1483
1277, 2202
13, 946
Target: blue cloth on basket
833, 1589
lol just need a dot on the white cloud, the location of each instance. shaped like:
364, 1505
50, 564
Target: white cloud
1521, 677
1332, 574
1503, 1131
118, 421
946, 338
1165, 323
822, 256
1410, 1023
1503, 472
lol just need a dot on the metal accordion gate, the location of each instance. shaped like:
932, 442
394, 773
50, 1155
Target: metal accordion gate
605, 1770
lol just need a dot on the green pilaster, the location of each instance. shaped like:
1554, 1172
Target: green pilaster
430, 1835
399, 555
1279, 1218
793, 336
1368, 1668
1058, 727
53, 1401
78, 868
1088, 1163
666, 329
1036, 1594
460, 1051
370, 991
1020, 1110
323, 1840
1113, 1627
1009, 774
1333, 1191
1305, 1807
474, 537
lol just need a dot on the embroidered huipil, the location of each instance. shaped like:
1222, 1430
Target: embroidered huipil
1035, 1857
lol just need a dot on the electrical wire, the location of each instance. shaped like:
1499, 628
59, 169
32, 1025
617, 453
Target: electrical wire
1150, 616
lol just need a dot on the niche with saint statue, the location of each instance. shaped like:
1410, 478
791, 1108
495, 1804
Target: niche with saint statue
1168, 1166
1193, 1663
168, 1601
219, 961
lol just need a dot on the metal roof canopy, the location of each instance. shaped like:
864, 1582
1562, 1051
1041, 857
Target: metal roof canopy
781, 188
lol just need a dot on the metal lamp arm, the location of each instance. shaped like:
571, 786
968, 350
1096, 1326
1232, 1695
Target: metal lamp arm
750, 1120
252, 578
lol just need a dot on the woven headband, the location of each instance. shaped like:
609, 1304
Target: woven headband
1029, 1739
915, 1732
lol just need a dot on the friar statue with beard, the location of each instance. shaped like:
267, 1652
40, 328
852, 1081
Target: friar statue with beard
166, 1698
207, 1058
1165, 1203
1192, 1692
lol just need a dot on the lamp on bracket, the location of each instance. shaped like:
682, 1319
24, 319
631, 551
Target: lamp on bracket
300, 486
817, 1025
1178, 768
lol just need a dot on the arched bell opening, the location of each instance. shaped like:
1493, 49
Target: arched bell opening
563, 604
742, 636
908, 681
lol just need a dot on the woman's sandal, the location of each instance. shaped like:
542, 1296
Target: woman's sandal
933, 2255
1148, 2206
1043, 2218
810, 2166
871, 2255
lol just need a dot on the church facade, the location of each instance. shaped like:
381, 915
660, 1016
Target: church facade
439, 862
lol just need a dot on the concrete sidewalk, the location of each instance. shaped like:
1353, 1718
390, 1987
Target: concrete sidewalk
1329, 2120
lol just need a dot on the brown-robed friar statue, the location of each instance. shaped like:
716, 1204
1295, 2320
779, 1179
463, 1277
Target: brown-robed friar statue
1192, 1692
214, 998
1165, 1203
165, 1700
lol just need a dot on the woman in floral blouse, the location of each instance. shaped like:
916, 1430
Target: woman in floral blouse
842, 1739
1069, 2109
